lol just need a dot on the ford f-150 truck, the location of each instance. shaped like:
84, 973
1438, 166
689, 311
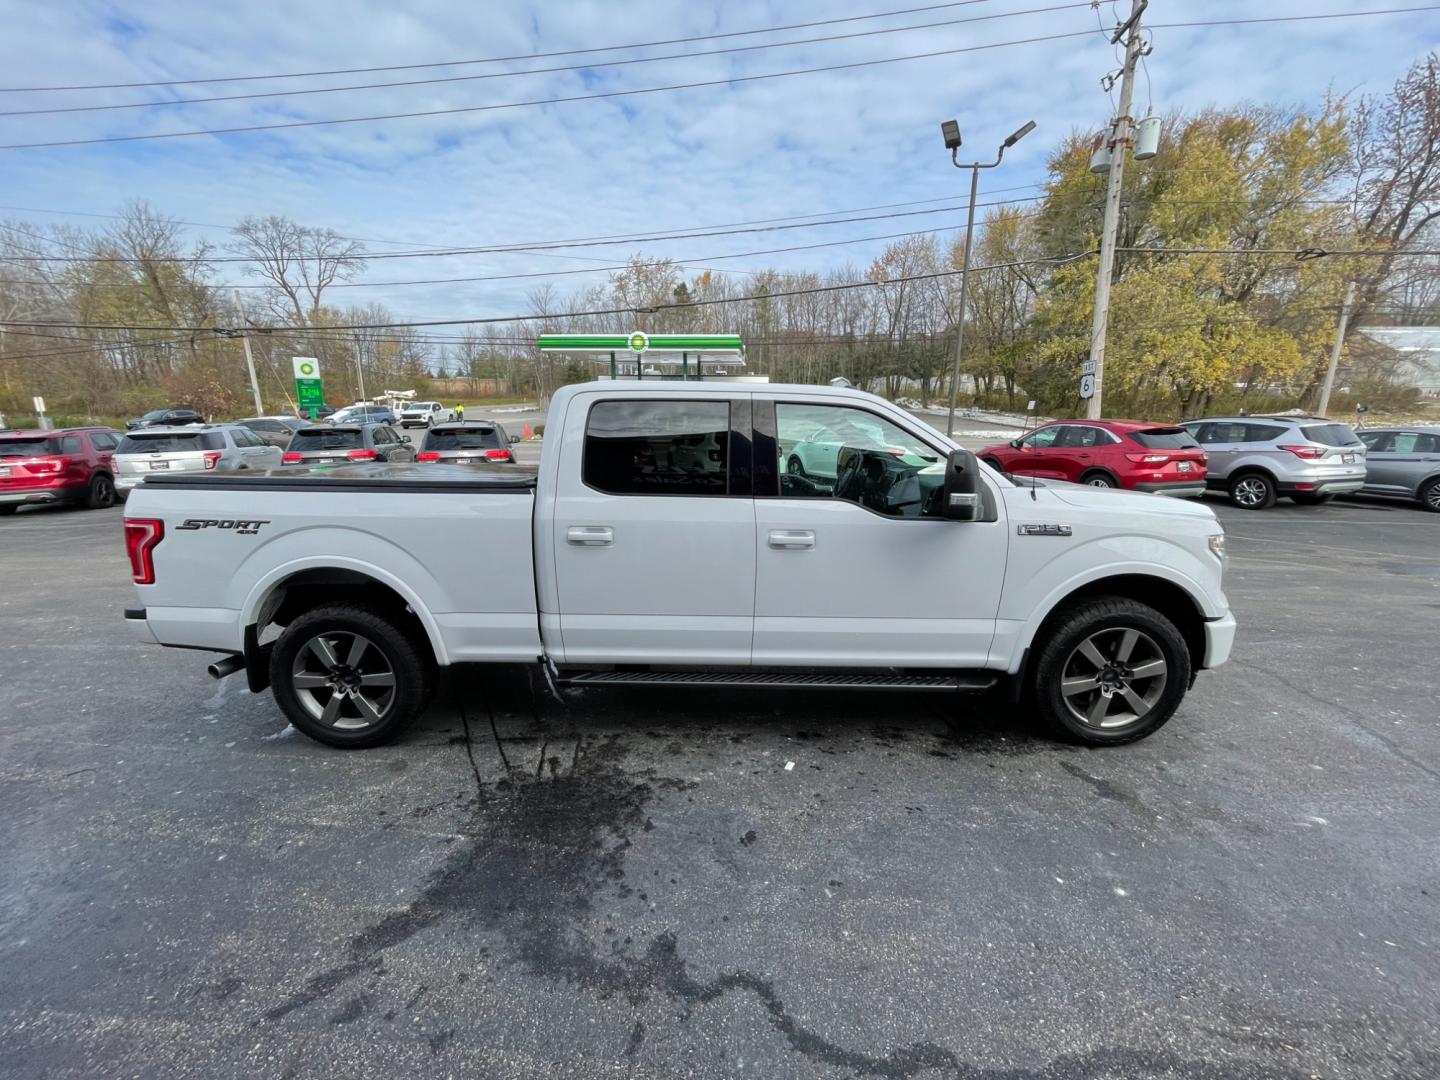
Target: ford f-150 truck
663, 540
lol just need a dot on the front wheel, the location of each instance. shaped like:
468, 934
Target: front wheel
1430, 496
348, 677
1110, 670
795, 467
1099, 479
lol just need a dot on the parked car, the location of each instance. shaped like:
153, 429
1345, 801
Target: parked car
468, 441
274, 430
363, 414
335, 444
72, 465
165, 418
209, 448
628, 558
1158, 458
811, 448
425, 414
1257, 459
1403, 461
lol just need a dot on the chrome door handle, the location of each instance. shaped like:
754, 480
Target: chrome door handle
590, 535
792, 540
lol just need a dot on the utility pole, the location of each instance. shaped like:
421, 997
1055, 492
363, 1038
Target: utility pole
1335, 351
1122, 135
249, 359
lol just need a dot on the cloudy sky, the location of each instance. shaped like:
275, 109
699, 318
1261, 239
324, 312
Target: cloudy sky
714, 155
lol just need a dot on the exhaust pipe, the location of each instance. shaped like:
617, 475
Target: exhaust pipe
227, 666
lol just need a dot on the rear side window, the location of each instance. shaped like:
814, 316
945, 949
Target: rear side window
1164, 439
1415, 442
102, 440
1331, 435
326, 439
658, 447
478, 438
171, 442
20, 448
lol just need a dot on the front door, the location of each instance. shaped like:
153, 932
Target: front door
1037, 455
859, 570
653, 532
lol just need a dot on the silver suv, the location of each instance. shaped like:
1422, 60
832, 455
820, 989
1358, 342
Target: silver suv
1404, 461
194, 448
1257, 459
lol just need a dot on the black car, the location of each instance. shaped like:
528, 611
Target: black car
274, 430
337, 444
468, 441
165, 418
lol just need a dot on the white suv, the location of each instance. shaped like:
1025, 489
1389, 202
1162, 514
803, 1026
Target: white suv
425, 413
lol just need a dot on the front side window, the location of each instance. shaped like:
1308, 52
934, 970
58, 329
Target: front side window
841, 452
1042, 439
658, 447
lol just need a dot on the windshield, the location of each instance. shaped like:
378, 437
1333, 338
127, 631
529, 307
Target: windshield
1165, 439
1331, 435
327, 439
170, 442
478, 438
28, 447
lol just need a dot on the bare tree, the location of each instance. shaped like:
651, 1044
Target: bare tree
300, 261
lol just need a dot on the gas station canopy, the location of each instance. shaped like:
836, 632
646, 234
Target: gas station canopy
654, 348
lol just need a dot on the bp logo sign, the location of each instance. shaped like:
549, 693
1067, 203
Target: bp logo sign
638, 342
306, 369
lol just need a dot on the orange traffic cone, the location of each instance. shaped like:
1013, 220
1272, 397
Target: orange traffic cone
527, 434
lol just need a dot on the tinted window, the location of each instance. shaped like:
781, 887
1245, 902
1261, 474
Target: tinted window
102, 440
1081, 435
12, 448
247, 438
841, 452
1427, 444
381, 436
271, 426
1262, 433
658, 447
326, 439
476, 438
169, 443
1377, 441
1164, 439
70, 444
1330, 435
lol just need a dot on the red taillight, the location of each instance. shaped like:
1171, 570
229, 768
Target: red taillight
48, 465
360, 455
1148, 459
427, 455
141, 536
1309, 453
288, 458
212, 458
498, 455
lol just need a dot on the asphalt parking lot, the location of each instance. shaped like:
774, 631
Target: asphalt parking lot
634, 883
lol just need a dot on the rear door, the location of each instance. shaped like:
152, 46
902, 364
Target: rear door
653, 530
1383, 470
861, 570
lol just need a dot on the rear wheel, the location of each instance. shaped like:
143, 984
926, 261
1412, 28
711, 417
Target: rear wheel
1099, 479
101, 492
994, 463
794, 466
1252, 491
1430, 495
1110, 670
1311, 499
348, 676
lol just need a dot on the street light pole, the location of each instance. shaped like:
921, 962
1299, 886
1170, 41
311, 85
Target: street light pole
951, 131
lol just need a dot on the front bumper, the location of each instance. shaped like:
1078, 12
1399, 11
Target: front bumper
1180, 489
1219, 637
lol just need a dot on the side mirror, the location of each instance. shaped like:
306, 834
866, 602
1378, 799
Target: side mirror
404, 438
514, 439
960, 495
1014, 444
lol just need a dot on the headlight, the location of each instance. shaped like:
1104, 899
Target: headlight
1217, 545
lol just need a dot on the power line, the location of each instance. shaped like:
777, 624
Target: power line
542, 71
854, 65
497, 59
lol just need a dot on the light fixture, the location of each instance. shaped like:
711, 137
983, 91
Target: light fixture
1013, 139
950, 129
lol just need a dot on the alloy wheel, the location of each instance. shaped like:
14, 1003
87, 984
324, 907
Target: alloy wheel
1114, 678
1250, 491
1099, 481
343, 680
1432, 496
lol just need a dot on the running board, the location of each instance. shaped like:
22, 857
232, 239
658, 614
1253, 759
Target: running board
781, 679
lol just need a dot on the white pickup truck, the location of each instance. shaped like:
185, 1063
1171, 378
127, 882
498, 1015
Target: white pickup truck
663, 541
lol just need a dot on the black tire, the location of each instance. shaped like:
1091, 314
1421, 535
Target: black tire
101, 492
1304, 498
391, 650
1429, 495
6, 511
1252, 491
1105, 624
994, 463
1099, 478
796, 467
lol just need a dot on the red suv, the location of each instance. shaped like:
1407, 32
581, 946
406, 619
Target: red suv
70, 465
1107, 453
